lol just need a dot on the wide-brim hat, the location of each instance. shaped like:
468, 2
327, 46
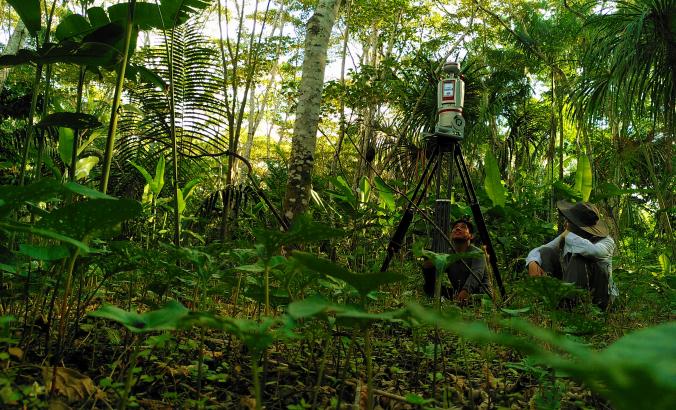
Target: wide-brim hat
585, 216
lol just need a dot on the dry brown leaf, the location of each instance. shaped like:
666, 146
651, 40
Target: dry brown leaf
16, 352
70, 383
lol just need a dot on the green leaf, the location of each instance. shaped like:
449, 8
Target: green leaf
84, 166
180, 202
177, 12
665, 264
167, 318
91, 218
187, 189
492, 183
29, 11
66, 137
385, 195
92, 54
44, 253
158, 181
144, 172
146, 15
22, 56
71, 120
639, 365
13, 197
72, 27
583, 177
97, 16
86, 191
45, 233
364, 190
364, 283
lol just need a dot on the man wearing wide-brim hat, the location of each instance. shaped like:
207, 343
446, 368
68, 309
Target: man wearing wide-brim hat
582, 254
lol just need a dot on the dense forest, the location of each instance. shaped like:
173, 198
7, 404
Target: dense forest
248, 204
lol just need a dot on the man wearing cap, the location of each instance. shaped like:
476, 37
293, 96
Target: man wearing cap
467, 275
582, 254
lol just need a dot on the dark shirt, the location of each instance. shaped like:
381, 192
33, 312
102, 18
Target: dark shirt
459, 275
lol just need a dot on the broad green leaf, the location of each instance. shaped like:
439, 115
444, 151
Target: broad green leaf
442, 260
187, 189
158, 180
86, 191
146, 15
385, 195
97, 16
492, 183
145, 75
92, 218
29, 11
45, 233
642, 364
69, 120
180, 202
144, 172
665, 264
66, 137
364, 283
22, 56
12, 197
147, 196
88, 54
583, 177
84, 166
309, 307
44, 253
167, 318
364, 190
72, 27
177, 12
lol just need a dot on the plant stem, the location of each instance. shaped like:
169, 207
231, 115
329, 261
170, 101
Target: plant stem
369, 367
130, 377
112, 125
267, 289
256, 381
76, 132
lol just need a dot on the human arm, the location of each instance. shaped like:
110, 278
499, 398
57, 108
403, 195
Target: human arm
602, 249
534, 259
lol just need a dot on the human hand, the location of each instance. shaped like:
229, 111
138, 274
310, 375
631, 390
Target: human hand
534, 269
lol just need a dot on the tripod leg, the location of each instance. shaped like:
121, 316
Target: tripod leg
478, 216
398, 238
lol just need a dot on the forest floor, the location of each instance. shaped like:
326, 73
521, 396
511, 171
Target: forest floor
323, 365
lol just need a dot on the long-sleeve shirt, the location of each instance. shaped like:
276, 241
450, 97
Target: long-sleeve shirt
601, 252
459, 276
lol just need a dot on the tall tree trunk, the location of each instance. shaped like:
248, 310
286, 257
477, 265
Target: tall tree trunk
341, 135
305, 126
13, 45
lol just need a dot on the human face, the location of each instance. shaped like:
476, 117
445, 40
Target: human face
460, 232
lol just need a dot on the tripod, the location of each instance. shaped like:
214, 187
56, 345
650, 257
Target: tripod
440, 144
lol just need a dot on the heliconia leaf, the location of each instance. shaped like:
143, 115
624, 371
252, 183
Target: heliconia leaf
364, 190
158, 181
29, 11
66, 144
72, 27
69, 120
492, 183
146, 174
180, 202
97, 16
84, 166
187, 189
583, 177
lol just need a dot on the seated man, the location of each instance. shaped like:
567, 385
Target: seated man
467, 275
582, 254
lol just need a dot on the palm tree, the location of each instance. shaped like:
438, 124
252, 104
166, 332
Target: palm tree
630, 63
